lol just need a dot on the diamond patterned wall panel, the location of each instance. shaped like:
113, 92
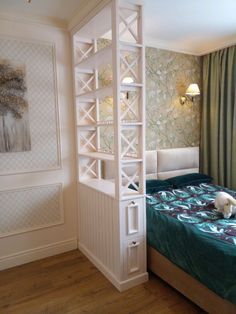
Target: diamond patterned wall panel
39, 61
29, 209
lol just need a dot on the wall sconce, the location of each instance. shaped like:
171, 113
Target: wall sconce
127, 80
192, 91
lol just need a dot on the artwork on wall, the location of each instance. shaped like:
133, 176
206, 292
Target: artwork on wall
14, 119
37, 133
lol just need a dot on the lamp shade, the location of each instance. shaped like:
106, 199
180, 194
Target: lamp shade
193, 90
127, 80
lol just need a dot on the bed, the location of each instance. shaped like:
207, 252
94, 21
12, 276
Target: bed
190, 246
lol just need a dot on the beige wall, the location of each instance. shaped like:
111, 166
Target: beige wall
30, 189
169, 124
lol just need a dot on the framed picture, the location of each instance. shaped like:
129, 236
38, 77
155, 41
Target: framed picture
29, 115
14, 118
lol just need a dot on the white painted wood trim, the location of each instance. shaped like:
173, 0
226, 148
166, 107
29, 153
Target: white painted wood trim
143, 103
120, 285
31, 187
34, 254
116, 96
101, 220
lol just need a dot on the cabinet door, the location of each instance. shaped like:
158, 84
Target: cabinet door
135, 256
133, 218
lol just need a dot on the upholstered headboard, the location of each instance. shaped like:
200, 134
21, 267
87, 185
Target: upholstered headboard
164, 163
177, 161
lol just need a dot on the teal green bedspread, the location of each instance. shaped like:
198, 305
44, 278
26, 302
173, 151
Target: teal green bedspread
183, 226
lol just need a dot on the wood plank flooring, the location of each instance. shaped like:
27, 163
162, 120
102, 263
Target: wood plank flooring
69, 283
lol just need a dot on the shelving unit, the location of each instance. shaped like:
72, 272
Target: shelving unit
112, 205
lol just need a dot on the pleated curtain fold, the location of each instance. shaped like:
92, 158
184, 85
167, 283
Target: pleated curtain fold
218, 127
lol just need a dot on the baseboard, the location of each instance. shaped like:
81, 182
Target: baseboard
120, 285
137, 280
31, 255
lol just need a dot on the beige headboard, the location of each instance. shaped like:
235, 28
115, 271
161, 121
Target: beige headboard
177, 161
164, 163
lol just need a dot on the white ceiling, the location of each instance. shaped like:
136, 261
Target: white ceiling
62, 10
193, 26
190, 26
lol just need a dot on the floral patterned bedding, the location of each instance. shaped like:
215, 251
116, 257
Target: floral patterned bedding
195, 205
183, 225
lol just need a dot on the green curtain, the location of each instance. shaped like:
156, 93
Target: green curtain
218, 129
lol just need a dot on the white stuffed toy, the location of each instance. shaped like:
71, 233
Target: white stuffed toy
225, 204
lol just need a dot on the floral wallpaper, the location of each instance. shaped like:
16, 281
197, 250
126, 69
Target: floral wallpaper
168, 123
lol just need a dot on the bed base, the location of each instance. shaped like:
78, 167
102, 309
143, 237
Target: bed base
187, 285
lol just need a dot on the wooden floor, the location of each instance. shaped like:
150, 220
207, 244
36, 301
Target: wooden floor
69, 283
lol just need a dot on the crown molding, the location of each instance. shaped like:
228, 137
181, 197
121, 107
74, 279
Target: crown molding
223, 45
200, 52
35, 20
170, 47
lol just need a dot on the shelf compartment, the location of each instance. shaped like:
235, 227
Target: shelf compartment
107, 91
100, 58
98, 155
109, 157
97, 93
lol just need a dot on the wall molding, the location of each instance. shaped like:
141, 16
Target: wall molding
43, 226
56, 23
40, 252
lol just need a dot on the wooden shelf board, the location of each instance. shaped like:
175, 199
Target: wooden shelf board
107, 91
97, 93
104, 186
130, 87
109, 157
98, 155
101, 124
130, 160
108, 187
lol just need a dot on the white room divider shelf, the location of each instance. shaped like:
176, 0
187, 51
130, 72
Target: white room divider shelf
111, 214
